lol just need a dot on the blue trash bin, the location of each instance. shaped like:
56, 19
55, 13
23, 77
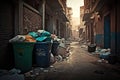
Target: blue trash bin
42, 51
54, 48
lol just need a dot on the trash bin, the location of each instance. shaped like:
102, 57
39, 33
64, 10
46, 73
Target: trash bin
42, 51
91, 48
54, 48
23, 55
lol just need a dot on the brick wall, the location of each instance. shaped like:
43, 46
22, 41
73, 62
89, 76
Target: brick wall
31, 19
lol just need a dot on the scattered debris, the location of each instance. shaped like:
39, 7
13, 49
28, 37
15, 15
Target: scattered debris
46, 71
83, 46
38, 71
14, 71
58, 58
102, 61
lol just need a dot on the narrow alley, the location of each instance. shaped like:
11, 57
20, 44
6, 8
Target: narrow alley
60, 40
79, 66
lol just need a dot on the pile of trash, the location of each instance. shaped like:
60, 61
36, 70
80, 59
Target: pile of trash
60, 52
13, 74
39, 36
103, 53
63, 52
38, 71
93, 49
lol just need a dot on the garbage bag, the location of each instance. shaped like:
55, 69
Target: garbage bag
44, 33
48, 38
52, 59
40, 31
29, 38
18, 38
15, 71
40, 39
33, 34
105, 55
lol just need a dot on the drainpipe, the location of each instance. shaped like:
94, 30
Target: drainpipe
43, 5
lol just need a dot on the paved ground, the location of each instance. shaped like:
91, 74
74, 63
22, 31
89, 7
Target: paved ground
80, 66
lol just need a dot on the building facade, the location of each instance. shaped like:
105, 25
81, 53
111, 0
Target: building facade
23, 16
69, 24
104, 17
82, 26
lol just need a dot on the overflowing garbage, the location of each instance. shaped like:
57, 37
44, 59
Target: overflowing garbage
103, 54
39, 36
47, 48
62, 51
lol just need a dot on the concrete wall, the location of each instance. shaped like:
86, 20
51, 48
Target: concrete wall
99, 38
113, 32
118, 27
6, 33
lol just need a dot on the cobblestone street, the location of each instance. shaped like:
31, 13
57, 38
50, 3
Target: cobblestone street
80, 66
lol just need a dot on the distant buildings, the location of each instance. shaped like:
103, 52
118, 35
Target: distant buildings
69, 14
82, 26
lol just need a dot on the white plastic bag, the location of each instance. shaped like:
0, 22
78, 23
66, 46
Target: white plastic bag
18, 38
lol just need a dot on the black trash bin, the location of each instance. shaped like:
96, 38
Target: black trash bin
42, 51
91, 48
54, 48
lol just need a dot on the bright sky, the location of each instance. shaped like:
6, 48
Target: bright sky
75, 4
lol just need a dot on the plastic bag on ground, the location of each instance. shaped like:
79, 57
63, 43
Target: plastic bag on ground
52, 59
105, 55
58, 58
15, 71
62, 43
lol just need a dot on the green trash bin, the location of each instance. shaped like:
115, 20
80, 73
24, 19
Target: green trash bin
23, 55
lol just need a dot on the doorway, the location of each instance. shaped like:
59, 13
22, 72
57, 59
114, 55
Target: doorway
107, 32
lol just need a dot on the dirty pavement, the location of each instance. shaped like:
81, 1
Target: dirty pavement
80, 65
